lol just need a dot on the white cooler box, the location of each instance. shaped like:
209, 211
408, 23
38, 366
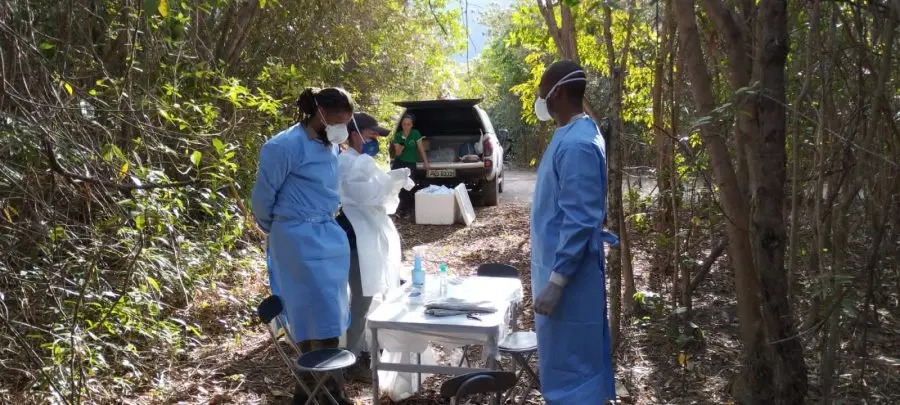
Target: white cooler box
435, 208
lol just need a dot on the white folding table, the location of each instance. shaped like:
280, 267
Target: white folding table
400, 326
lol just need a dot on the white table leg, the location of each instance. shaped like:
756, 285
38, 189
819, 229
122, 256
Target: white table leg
375, 352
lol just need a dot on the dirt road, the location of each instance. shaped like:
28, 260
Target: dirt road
518, 187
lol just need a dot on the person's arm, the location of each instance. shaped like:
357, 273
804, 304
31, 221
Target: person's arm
398, 145
582, 200
274, 166
421, 148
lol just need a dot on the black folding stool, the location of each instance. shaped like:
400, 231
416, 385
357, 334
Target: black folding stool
322, 364
485, 382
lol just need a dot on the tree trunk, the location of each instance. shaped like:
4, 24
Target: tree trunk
773, 358
665, 171
778, 355
234, 31
620, 259
733, 203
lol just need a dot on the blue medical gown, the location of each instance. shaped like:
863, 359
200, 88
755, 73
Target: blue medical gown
574, 351
308, 256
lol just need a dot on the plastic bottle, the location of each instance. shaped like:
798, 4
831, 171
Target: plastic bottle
443, 291
418, 273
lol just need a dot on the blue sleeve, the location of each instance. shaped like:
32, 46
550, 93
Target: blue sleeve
582, 200
274, 166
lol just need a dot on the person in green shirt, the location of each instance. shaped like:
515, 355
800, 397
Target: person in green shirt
408, 150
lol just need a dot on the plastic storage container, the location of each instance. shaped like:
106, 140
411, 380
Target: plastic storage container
435, 206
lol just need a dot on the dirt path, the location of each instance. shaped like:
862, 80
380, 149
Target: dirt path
518, 187
235, 363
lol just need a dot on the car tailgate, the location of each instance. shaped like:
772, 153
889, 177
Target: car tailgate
452, 165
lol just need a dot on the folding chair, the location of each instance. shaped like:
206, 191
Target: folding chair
521, 346
321, 364
486, 382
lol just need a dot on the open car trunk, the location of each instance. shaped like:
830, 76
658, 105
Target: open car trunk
452, 129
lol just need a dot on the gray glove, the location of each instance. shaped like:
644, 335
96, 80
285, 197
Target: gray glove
546, 301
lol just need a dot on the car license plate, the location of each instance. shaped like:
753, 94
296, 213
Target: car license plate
444, 173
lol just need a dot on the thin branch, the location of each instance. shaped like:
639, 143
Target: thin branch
57, 167
436, 19
707, 264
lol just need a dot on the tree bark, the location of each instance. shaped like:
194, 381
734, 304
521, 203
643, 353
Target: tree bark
779, 354
620, 259
733, 203
234, 31
665, 170
773, 358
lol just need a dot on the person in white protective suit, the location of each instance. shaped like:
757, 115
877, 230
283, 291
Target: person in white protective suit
368, 196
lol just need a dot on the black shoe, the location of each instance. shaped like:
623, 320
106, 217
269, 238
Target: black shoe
361, 372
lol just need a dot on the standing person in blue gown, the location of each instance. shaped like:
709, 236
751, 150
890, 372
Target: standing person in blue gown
567, 236
294, 200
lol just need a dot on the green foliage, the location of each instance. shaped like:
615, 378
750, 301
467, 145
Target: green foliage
128, 152
521, 48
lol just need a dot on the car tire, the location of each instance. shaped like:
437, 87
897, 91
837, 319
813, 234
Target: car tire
490, 193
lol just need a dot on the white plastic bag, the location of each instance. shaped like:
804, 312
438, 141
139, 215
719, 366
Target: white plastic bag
400, 386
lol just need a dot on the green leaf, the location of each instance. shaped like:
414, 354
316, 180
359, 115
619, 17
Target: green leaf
46, 46
68, 88
139, 222
153, 283
219, 145
195, 157
163, 8
262, 3
110, 151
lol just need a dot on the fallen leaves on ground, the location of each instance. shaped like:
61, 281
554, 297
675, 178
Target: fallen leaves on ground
228, 370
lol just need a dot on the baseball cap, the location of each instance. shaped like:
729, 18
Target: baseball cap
366, 121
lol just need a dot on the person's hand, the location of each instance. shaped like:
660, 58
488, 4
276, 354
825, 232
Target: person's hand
426, 165
546, 301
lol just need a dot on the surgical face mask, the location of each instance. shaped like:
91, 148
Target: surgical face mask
336, 133
370, 147
540, 105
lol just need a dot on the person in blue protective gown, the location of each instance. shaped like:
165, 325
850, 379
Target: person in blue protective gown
294, 200
567, 259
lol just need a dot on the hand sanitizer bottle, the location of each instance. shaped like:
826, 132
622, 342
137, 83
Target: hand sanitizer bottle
418, 273
443, 291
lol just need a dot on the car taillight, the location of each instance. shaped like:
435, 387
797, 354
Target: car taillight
488, 147
488, 163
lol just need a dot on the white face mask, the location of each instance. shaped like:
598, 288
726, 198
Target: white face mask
336, 134
540, 105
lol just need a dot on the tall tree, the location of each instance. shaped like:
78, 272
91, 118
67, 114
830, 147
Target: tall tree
774, 369
664, 131
620, 264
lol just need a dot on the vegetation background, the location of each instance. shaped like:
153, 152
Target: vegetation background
768, 130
